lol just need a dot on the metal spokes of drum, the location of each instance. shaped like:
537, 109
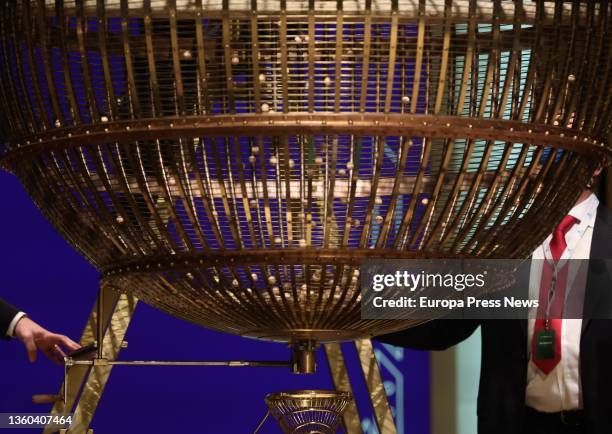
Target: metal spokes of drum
233, 162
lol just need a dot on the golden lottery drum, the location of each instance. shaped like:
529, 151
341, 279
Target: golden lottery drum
233, 163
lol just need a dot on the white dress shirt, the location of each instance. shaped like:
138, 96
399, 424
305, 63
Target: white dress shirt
10, 332
561, 390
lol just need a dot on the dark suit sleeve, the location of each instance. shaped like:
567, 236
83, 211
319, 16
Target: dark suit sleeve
7, 313
434, 335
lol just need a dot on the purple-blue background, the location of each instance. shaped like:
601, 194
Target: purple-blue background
44, 276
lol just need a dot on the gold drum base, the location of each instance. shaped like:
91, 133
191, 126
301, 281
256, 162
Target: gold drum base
308, 411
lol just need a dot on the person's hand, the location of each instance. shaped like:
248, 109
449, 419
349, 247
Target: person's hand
35, 337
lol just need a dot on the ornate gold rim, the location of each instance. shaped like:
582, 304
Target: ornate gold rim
263, 256
309, 394
309, 123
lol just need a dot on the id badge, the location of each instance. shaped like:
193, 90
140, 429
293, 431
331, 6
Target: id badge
545, 344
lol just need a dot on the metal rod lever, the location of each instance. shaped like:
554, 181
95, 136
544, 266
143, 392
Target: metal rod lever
231, 363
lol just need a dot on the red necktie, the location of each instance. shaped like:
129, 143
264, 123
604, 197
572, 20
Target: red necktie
557, 247
558, 244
